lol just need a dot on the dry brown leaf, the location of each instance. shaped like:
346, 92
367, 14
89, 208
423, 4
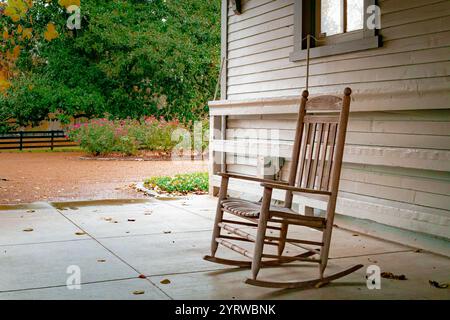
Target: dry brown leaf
165, 281
136, 292
438, 285
28, 229
167, 232
390, 275
80, 233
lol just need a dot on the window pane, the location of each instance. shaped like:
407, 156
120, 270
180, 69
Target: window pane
355, 15
331, 17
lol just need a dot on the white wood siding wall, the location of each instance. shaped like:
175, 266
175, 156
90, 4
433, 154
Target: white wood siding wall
397, 158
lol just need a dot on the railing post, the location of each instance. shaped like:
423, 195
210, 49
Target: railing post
53, 133
21, 140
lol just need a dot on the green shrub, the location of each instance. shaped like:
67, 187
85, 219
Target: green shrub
102, 136
180, 183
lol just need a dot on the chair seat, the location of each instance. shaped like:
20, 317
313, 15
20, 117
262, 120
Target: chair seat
242, 207
249, 209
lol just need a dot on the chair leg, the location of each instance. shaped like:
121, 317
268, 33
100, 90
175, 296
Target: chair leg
326, 239
261, 233
325, 250
283, 236
219, 215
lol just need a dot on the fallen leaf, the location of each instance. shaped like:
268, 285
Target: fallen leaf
31, 211
80, 233
167, 232
138, 292
101, 260
438, 285
142, 276
51, 32
390, 275
165, 281
28, 229
131, 220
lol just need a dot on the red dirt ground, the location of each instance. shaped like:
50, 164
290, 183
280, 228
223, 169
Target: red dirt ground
62, 176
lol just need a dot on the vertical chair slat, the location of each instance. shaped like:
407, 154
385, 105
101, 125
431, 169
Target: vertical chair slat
329, 160
303, 154
315, 163
309, 157
323, 155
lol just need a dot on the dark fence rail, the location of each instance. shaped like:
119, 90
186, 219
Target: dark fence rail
34, 139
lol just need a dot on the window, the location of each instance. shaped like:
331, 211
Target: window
338, 26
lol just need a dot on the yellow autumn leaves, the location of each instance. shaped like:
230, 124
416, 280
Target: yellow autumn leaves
68, 3
17, 11
51, 32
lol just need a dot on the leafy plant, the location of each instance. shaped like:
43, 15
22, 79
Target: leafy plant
180, 183
103, 136
131, 58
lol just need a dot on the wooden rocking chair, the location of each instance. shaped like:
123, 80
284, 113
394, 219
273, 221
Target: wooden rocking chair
315, 170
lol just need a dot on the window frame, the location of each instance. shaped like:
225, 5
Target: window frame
306, 22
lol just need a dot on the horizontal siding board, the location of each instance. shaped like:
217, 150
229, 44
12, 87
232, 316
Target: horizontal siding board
393, 6
440, 24
438, 160
260, 57
412, 94
392, 179
398, 60
261, 38
279, 43
353, 138
399, 140
284, 8
251, 8
262, 28
417, 71
407, 45
411, 15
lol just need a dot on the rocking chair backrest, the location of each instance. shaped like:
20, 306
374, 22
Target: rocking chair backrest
319, 143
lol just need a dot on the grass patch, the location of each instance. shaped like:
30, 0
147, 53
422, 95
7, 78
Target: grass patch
180, 184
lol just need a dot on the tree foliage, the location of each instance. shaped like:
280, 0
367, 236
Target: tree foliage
130, 58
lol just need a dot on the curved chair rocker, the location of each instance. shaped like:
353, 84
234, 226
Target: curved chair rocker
315, 170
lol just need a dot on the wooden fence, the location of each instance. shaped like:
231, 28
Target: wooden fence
34, 139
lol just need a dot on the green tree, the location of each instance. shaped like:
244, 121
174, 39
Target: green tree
130, 58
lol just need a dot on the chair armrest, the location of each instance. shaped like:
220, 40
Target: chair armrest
293, 189
249, 178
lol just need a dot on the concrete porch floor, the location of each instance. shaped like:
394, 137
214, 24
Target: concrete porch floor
113, 242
